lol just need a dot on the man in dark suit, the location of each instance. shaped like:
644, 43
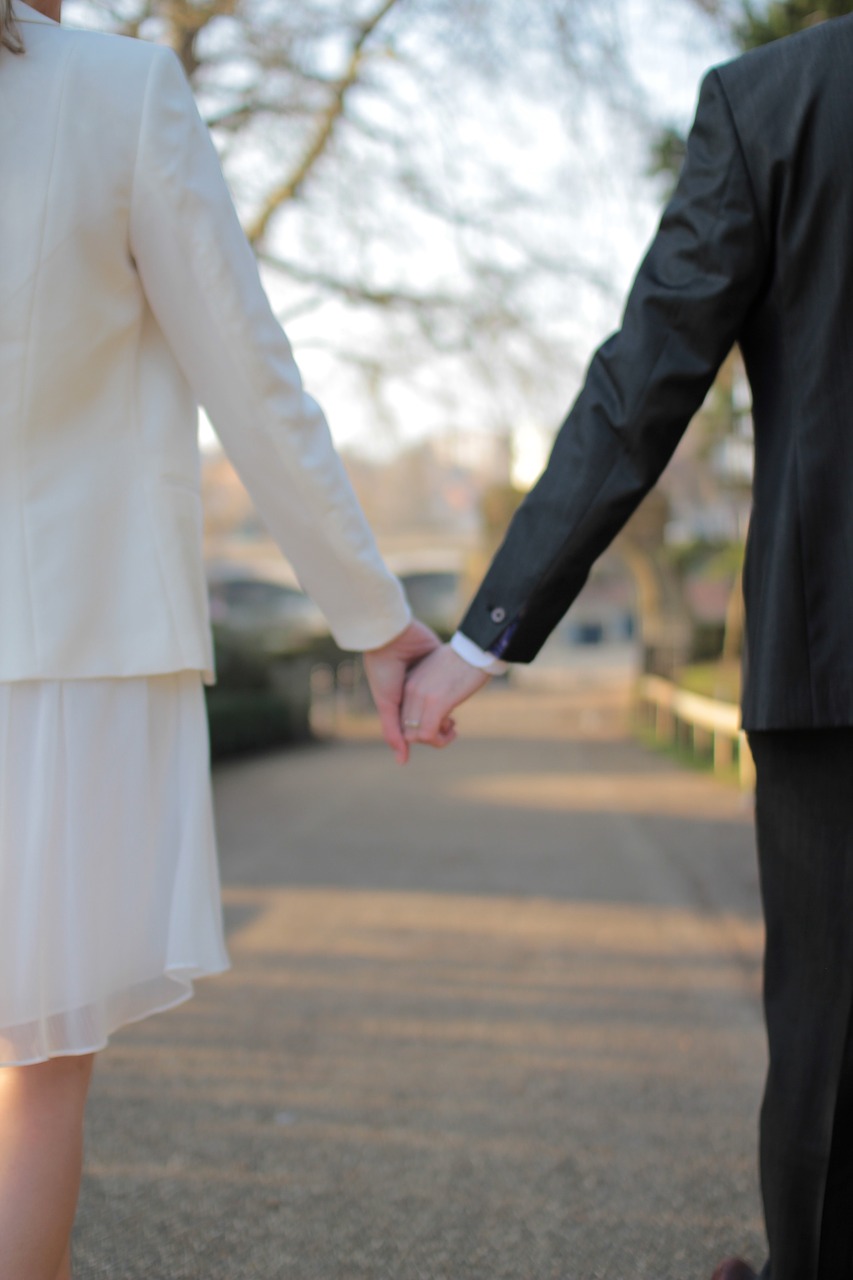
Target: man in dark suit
756, 247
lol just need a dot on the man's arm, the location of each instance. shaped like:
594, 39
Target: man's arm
686, 308
688, 303
201, 281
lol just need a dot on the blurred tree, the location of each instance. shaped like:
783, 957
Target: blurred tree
759, 24
748, 25
378, 152
668, 149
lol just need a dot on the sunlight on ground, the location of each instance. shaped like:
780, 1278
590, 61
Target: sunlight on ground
372, 997
427, 1078
689, 795
336, 923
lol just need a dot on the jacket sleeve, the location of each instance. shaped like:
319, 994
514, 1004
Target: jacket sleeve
201, 281
684, 312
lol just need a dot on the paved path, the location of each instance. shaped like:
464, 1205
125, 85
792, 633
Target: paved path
491, 1017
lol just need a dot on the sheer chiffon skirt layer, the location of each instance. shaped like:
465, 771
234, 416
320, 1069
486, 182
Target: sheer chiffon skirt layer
109, 886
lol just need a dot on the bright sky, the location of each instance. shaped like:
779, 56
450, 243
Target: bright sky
670, 46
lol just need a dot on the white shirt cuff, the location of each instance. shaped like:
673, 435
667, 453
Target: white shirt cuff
476, 656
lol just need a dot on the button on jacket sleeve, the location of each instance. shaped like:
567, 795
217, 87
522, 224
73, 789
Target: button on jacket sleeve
697, 283
202, 284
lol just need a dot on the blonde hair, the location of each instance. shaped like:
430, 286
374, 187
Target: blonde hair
9, 35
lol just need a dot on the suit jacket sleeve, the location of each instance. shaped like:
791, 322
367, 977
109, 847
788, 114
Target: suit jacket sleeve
202, 283
686, 307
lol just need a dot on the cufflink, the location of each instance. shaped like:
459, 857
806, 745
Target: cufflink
498, 615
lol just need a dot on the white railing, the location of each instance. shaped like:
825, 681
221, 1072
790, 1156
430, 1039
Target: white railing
678, 716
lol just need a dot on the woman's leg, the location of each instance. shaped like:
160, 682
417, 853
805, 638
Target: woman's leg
65, 1268
41, 1159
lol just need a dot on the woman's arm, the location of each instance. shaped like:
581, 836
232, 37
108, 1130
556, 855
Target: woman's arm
202, 283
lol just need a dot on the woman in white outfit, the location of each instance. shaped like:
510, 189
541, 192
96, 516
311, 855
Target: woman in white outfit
128, 295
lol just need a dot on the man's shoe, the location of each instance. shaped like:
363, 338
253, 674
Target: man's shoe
734, 1269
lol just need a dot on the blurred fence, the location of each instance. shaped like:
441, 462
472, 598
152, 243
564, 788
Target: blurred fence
704, 726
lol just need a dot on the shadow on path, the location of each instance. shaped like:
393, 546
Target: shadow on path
494, 1016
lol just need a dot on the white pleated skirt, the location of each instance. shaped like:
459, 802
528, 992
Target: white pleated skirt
109, 888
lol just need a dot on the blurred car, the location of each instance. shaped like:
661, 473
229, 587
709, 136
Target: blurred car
278, 616
434, 583
268, 637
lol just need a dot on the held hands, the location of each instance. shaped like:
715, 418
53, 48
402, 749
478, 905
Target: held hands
436, 685
416, 682
386, 670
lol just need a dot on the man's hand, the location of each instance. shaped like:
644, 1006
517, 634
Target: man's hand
437, 685
386, 669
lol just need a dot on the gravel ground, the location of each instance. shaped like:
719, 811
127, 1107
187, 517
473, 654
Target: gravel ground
491, 1017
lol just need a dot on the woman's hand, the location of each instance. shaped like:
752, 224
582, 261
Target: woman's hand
386, 670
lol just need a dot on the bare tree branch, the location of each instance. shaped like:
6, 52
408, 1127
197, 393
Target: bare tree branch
358, 291
185, 19
290, 188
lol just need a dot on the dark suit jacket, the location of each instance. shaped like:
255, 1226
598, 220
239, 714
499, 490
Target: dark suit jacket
756, 247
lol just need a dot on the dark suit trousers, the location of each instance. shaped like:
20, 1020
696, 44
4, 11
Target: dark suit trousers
804, 821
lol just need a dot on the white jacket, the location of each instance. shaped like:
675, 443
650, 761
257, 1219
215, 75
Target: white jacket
128, 295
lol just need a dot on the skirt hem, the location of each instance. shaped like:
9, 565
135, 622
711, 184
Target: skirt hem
182, 977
